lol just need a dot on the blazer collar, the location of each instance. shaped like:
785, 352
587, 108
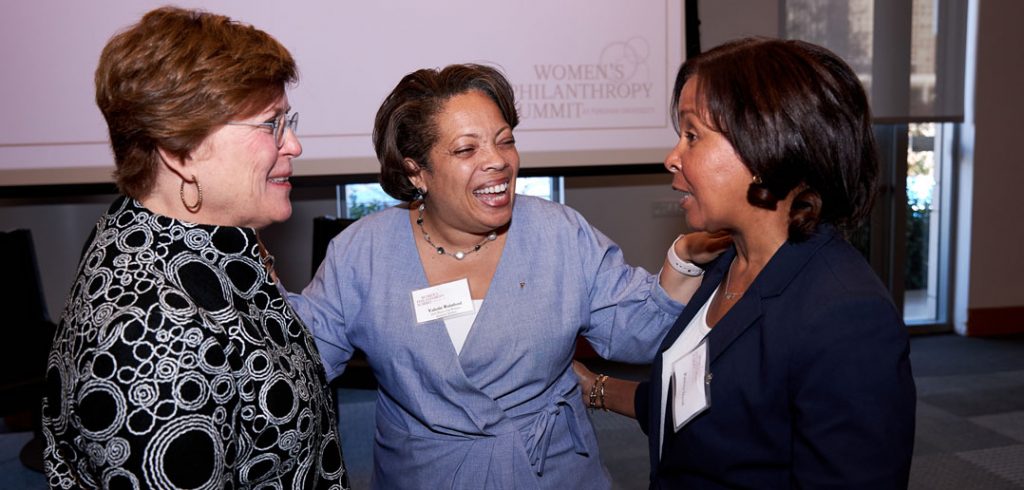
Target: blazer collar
780, 271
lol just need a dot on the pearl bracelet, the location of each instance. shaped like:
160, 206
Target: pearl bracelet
681, 266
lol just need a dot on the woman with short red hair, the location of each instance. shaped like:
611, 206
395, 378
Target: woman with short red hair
177, 362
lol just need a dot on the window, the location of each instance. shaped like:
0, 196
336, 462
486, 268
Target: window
363, 199
911, 58
926, 223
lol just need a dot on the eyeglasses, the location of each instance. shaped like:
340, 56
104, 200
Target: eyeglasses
277, 126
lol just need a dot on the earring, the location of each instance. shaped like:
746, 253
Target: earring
422, 191
194, 207
756, 180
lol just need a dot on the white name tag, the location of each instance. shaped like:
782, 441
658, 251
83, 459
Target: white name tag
446, 300
689, 385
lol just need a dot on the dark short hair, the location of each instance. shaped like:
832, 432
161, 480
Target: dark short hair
797, 115
171, 79
405, 125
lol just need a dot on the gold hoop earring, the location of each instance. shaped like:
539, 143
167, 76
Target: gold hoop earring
194, 207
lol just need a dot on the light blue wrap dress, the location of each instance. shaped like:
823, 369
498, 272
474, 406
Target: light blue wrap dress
507, 412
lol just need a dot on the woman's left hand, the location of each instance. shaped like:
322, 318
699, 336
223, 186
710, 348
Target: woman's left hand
612, 394
701, 247
586, 378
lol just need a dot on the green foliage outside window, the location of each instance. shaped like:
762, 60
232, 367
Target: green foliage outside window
359, 209
918, 216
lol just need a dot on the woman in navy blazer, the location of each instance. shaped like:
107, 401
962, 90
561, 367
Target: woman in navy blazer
806, 379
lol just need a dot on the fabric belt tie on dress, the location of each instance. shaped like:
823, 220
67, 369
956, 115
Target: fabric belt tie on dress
540, 433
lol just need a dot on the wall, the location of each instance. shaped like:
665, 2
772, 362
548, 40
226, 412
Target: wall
724, 20
995, 264
987, 294
59, 229
989, 271
622, 206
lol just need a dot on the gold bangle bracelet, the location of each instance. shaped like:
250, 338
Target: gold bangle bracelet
597, 393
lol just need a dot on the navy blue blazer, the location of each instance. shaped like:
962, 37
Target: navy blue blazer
811, 383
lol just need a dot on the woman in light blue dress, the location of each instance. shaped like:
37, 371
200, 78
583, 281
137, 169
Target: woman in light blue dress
468, 300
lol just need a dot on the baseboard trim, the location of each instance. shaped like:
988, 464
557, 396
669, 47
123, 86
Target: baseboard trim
983, 322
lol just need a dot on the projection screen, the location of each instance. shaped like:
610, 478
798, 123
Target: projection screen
592, 77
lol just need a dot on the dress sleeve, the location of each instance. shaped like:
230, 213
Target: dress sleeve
321, 309
853, 397
629, 312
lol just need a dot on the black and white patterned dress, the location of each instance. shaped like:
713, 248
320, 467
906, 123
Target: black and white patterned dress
178, 364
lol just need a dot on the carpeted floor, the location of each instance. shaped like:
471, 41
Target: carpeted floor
970, 413
970, 423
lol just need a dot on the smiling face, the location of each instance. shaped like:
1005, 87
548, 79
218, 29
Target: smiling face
707, 170
244, 175
470, 181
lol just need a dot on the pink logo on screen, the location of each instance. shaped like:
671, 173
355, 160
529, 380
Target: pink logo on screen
616, 90
631, 56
